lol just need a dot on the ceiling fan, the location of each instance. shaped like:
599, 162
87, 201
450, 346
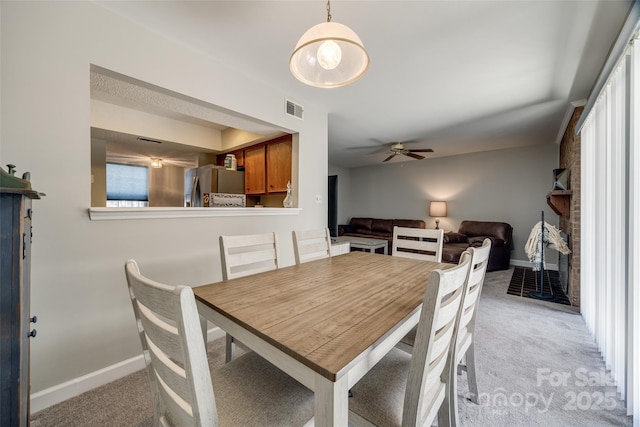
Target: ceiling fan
154, 161
129, 149
154, 156
397, 148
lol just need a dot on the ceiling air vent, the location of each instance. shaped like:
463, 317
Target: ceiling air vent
293, 109
142, 138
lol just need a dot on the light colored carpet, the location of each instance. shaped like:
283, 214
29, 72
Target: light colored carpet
537, 366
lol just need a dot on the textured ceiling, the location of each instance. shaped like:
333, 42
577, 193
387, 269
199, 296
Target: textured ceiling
455, 76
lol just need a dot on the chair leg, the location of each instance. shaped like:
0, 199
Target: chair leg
451, 398
230, 348
462, 365
471, 374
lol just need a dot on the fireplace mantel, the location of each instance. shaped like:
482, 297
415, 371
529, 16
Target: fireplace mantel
559, 200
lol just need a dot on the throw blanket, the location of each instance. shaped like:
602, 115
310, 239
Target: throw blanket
551, 238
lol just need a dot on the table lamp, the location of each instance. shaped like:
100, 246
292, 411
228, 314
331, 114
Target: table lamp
438, 210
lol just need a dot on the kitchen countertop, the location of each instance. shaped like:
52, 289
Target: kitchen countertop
105, 214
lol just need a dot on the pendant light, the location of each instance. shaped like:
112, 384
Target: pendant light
329, 55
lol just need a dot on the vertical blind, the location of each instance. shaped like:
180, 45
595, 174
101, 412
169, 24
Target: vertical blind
127, 182
634, 238
610, 226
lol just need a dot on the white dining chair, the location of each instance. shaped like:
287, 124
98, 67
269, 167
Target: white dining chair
248, 390
311, 244
420, 380
417, 243
464, 349
244, 255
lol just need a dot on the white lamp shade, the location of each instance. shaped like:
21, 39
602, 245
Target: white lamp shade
341, 66
438, 209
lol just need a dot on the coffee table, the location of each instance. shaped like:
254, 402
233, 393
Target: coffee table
363, 243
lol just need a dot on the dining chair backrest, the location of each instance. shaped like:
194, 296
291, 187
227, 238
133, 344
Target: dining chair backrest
465, 340
475, 281
417, 243
244, 255
311, 244
174, 351
430, 366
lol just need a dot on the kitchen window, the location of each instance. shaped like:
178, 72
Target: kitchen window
127, 185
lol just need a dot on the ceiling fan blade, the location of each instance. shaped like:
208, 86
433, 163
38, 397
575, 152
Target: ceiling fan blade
422, 150
368, 147
377, 141
181, 163
381, 151
127, 158
415, 156
389, 158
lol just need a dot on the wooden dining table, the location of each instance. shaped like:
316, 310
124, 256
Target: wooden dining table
324, 322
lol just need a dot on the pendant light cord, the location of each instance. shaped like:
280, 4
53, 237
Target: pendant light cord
328, 11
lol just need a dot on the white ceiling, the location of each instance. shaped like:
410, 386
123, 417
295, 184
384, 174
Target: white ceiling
455, 76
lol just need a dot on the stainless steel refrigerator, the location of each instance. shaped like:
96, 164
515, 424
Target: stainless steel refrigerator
210, 179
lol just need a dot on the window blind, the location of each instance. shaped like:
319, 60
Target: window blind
127, 182
610, 228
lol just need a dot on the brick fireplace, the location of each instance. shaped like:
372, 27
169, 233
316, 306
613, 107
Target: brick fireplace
570, 224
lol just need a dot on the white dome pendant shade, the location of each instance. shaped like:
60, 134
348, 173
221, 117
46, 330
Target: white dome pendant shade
329, 55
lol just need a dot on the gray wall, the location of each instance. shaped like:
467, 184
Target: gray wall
503, 185
86, 327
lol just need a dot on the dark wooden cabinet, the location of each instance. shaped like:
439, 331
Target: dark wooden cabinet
15, 317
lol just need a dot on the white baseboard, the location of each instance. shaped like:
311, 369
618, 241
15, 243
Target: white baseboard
61, 392
520, 263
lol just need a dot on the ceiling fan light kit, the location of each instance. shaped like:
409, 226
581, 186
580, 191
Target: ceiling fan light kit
329, 55
156, 162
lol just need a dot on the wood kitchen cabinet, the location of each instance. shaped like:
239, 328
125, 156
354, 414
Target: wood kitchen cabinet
239, 157
267, 167
279, 164
255, 176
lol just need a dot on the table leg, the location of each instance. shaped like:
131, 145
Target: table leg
385, 249
331, 402
205, 330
